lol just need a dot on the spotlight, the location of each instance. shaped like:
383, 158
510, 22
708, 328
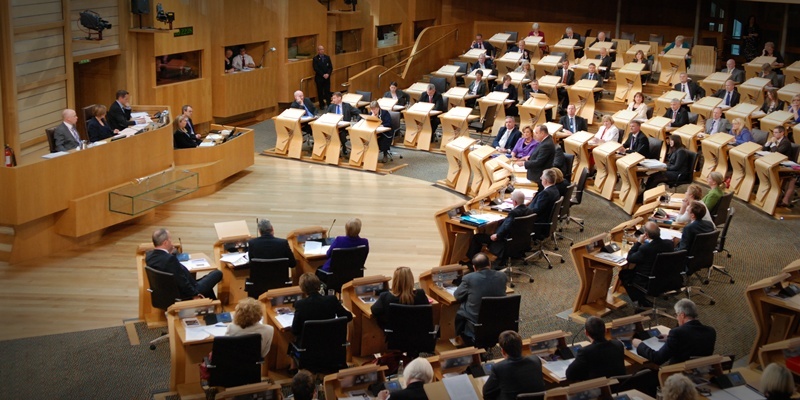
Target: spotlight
93, 22
165, 17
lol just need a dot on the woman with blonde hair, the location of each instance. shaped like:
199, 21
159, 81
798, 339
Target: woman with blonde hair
530, 73
777, 382
740, 132
679, 387
693, 192
247, 320
608, 132
717, 183
402, 292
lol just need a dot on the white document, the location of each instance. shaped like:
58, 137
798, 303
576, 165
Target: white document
216, 330
54, 155
285, 319
459, 387
744, 393
654, 343
206, 144
489, 217
519, 168
670, 233
213, 136
558, 368
648, 163
235, 259
529, 193
196, 333
451, 289
196, 264
129, 131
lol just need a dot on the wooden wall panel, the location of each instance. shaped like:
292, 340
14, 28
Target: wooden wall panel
298, 18
35, 12
421, 10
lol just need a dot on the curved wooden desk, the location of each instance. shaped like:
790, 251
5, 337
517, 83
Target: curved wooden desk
743, 164
216, 163
358, 296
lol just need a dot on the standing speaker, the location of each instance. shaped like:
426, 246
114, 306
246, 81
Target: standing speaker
140, 6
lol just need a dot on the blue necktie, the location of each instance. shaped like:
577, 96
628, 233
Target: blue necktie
728, 99
339, 109
308, 113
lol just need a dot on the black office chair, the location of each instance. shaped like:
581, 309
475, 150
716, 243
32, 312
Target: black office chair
235, 360
463, 67
645, 380
719, 214
480, 125
394, 132
656, 38
367, 96
517, 243
544, 230
760, 136
346, 265
665, 277
267, 274
531, 396
164, 292
686, 178
701, 256
722, 236
512, 36
322, 347
410, 329
563, 214
655, 148
440, 84
628, 36
496, 315
577, 197
51, 138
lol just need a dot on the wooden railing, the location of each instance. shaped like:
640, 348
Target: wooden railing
415, 53
363, 63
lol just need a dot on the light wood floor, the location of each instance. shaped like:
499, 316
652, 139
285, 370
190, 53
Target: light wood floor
96, 286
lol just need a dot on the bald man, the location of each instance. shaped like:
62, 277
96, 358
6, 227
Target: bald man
497, 241
66, 135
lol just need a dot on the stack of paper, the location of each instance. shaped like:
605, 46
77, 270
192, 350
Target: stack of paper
235, 259
558, 368
285, 319
196, 264
460, 387
314, 247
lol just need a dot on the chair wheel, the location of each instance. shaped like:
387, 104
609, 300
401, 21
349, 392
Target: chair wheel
530, 280
562, 260
549, 266
571, 243
732, 281
713, 302
511, 285
705, 282
152, 347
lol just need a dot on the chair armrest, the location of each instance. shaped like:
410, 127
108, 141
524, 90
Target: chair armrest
320, 270
207, 362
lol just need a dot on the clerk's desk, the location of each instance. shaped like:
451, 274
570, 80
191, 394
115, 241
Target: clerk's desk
306, 263
280, 302
235, 235
632, 173
438, 285
338, 385
216, 163
458, 170
358, 296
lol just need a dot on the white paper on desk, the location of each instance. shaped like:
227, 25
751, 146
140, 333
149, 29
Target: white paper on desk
98, 143
235, 259
140, 114
558, 368
670, 233
451, 289
54, 155
488, 217
213, 136
216, 330
206, 144
763, 153
196, 333
129, 131
519, 168
285, 319
459, 387
615, 258
196, 263
648, 163
522, 181
312, 247
744, 393
654, 343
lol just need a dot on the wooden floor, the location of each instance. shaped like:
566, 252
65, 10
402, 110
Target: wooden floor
96, 286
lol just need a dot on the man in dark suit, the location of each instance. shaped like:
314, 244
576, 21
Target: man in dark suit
592, 75
678, 115
572, 122
484, 282
717, 123
515, 374
347, 111
431, 96
542, 156
532, 89
778, 142
643, 255
567, 78
267, 246
66, 136
602, 358
476, 89
478, 43
497, 241
697, 210
569, 34
314, 306
637, 141
416, 374
483, 63
506, 86
737, 75
690, 89
507, 137
729, 95
323, 67
119, 113
689, 339
605, 62
187, 111
542, 203
302, 103
163, 259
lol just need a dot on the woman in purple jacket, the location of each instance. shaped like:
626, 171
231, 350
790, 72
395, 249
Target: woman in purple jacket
352, 228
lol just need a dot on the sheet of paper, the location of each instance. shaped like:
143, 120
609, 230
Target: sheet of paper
140, 114
129, 131
488, 217
214, 136
459, 387
54, 155
558, 368
451, 289
312, 247
216, 330
235, 259
285, 319
670, 233
744, 393
206, 144
519, 168
196, 333
654, 343
196, 264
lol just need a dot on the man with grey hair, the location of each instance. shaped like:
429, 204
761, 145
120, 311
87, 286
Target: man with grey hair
431, 96
416, 374
542, 157
267, 246
162, 258
66, 135
497, 241
737, 75
643, 254
689, 339
677, 114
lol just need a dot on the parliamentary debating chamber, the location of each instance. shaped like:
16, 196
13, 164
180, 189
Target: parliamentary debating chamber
150, 193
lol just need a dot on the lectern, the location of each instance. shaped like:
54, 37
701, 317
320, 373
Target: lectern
519, 81
581, 94
507, 63
769, 182
289, 140
629, 81
418, 126
456, 96
449, 72
753, 68
672, 64
326, 138
775, 118
743, 160
364, 143
705, 107
788, 91
605, 162
630, 55
458, 169
622, 120
594, 51
547, 66
663, 102
629, 190
548, 85
689, 134
752, 90
578, 145
791, 72
533, 44
714, 82
416, 90
744, 111
715, 155
477, 157
497, 100
532, 111
499, 41
568, 47
455, 124
472, 55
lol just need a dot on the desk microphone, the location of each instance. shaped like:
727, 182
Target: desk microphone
329, 239
182, 256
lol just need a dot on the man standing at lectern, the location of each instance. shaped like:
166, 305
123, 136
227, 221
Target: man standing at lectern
323, 67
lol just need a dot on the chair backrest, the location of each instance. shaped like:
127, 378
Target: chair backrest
323, 345
655, 147
164, 290
563, 213
496, 315
578, 195
346, 265
410, 329
795, 153
718, 214
88, 113
688, 177
512, 36
628, 36
560, 54
667, 273
395, 115
531, 396
487, 122
51, 138
656, 38
644, 380
462, 66
267, 274
587, 34
701, 254
547, 227
724, 233
566, 169
780, 80
236, 360
519, 236
367, 96
440, 83
692, 117
759, 136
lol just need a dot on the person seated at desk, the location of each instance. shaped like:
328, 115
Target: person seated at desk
496, 242
507, 137
570, 34
304, 386
771, 102
515, 374
506, 86
302, 103
643, 254
187, 111
348, 113
779, 143
229, 61
571, 122
679, 43
478, 43
66, 135
679, 387
243, 60
740, 132
777, 382
351, 239
737, 75
717, 123
247, 320
640, 58
542, 156
524, 146
769, 51
474, 286
602, 358
729, 94
768, 73
693, 192
97, 127
162, 258
483, 63
697, 210
525, 68
314, 306
542, 203
119, 113
689, 339
677, 163
519, 47
385, 139
476, 88
592, 75
560, 183
182, 139
608, 132
402, 292
530, 90
637, 141
535, 31
431, 96
567, 79
605, 63
678, 115
692, 90
416, 374
267, 246
716, 182
397, 94
639, 106
794, 108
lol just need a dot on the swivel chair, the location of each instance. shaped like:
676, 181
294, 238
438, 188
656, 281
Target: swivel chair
577, 197
393, 133
700, 256
563, 213
346, 265
547, 230
51, 138
665, 277
410, 329
267, 274
719, 214
322, 347
686, 178
496, 315
655, 148
235, 360
164, 292
517, 243
722, 236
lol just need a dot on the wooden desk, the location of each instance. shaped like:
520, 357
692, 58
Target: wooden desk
713, 362
471, 56
622, 120
581, 94
289, 140
605, 162
629, 81
519, 80
306, 263
715, 155
487, 76
545, 345
364, 143
534, 46
547, 66
477, 157
437, 390
389, 104
567, 46
236, 235
714, 82
690, 135
449, 72
185, 355
216, 163
656, 128
438, 285
663, 102
743, 164
455, 124
788, 91
548, 85
595, 275
705, 107
578, 145
354, 99
753, 68
499, 41
752, 91
327, 143
774, 352
358, 296
776, 118
356, 379
594, 50
768, 170
233, 92
416, 90
630, 55
672, 65
576, 390
418, 126
792, 73
628, 167
456, 97
582, 67
280, 302
532, 111
507, 63
454, 362
743, 111
498, 101
458, 170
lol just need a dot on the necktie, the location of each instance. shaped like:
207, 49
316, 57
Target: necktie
572, 124
714, 126
591, 76
728, 99
75, 134
308, 113
564, 72
243, 64
339, 109
633, 141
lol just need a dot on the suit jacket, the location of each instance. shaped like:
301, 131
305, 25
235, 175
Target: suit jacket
488, 64
737, 75
597, 77
269, 247
603, 358
316, 307
307, 103
542, 203
183, 140
348, 111
118, 117
784, 147
642, 145
64, 139
735, 97
97, 131
570, 75
504, 229
723, 125
402, 97
644, 256
414, 391
480, 90
512, 138
322, 66
513, 376
691, 339
487, 46
473, 288
540, 160
694, 89
167, 262
438, 101
605, 62
511, 90
380, 308
581, 42
678, 162
773, 78
580, 123
691, 230
560, 161
681, 119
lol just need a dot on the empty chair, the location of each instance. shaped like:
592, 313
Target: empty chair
693, 118
721, 247
51, 138
235, 360
497, 314
410, 329
563, 214
700, 256
463, 68
346, 265
657, 39
666, 276
628, 36
88, 113
394, 132
367, 96
164, 292
517, 243
544, 230
512, 36
322, 347
577, 196
267, 274
759, 136
480, 125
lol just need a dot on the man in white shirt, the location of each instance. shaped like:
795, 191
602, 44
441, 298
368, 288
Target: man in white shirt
66, 136
690, 89
716, 123
507, 137
243, 60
